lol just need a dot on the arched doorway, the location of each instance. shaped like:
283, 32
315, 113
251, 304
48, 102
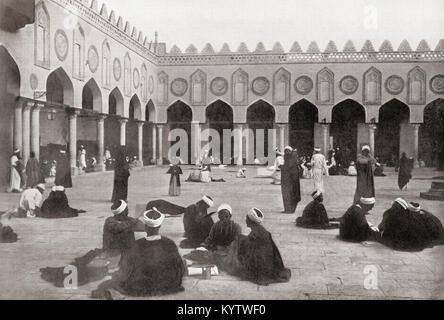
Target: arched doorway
92, 96
179, 116
150, 116
303, 116
219, 116
348, 128
134, 114
431, 135
393, 119
112, 125
260, 115
9, 91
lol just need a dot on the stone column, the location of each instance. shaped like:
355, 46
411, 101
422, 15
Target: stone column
282, 130
101, 143
249, 145
325, 139
240, 131
160, 134
196, 137
154, 129
123, 123
73, 113
371, 137
140, 141
18, 128
35, 130
26, 131
416, 144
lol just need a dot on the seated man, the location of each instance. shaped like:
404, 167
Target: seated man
224, 231
354, 227
314, 215
29, 203
56, 206
255, 257
434, 228
197, 223
7, 235
152, 266
404, 229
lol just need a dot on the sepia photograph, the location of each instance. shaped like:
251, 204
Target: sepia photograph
234, 150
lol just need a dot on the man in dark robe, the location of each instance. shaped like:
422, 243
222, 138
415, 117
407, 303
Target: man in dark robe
7, 235
290, 183
56, 206
354, 226
223, 232
152, 266
314, 215
166, 207
121, 175
404, 229
197, 223
32, 171
434, 228
63, 170
255, 257
175, 171
405, 171
365, 184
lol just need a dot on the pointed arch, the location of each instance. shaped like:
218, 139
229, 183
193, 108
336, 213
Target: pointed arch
416, 86
239, 89
431, 133
302, 118
162, 88
198, 92
78, 69
41, 36
59, 88
92, 96
260, 116
116, 103
135, 108
372, 87
325, 87
150, 112
281, 87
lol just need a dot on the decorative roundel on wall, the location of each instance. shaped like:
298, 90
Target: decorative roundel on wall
394, 84
136, 78
349, 85
437, 84
117, 69
151, 85
303, 85
219, 86
61, 44
93, 59
33, 81
179, 87
260, 86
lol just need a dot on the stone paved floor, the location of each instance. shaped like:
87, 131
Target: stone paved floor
322, 266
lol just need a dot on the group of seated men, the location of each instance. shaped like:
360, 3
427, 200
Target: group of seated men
404, 226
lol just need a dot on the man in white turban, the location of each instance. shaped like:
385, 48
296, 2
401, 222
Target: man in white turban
314, 215
153, 266
197, 222
319, 168
365, 167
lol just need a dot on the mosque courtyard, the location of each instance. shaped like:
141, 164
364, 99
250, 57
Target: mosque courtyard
322, 266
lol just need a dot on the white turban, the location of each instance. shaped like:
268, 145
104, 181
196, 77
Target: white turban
316, 194
58, 188
256, 215
208, 200
367, 201
16, 151
225, 207
366, 148
402, 203
121, 208
317, 149
41, 186
414, 207
288, 148
153, 223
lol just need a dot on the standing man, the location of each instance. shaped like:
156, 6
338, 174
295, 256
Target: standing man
15, 177
33, 174
365, 186
63, 170
121, 175
319, 167
82, 158
405, 172
290, 184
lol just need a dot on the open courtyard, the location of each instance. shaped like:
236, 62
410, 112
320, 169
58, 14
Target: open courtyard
322, 266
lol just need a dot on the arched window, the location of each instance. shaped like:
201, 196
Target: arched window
41, 36
78, 53
144, 83
127, 75
106, 63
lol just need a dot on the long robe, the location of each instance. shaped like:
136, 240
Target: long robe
256, 258
354, 226
175, 171
63, 172
56, 206
222, 234
319, 167
166, 207
197, 225
290, 183
7, 235
435, 230
149, 268
365, 184
405, 172
314, 216
33, 176
121, 175
15, 178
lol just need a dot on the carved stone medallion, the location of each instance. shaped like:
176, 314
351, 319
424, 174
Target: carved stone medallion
219, 86
394, 84
179, 87
117, 69
61, 44
437, 84
349, 85
93, 59
260, 86
303, 85
136, 78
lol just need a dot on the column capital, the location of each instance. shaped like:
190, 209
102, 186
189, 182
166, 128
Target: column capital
28, 106
372, 126
123, 120
38, 107
160, 125
140, 123
72, 112
101, 117
416, 126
